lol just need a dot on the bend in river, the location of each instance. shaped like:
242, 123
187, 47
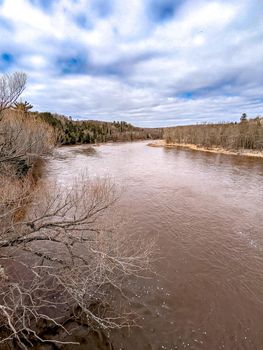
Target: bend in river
206, 212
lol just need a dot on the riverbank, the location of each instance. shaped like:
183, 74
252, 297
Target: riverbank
218, 150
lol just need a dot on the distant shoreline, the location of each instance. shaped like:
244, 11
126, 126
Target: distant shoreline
217, 150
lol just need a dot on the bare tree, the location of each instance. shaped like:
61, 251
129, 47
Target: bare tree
11, 87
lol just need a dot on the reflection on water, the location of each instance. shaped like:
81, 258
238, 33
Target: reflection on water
206, 211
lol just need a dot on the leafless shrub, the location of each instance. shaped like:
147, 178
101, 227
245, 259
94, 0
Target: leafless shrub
69, 264
23, 138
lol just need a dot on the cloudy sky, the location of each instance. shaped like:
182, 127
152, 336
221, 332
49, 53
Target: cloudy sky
149, 62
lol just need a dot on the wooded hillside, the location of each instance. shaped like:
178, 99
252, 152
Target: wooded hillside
70, 131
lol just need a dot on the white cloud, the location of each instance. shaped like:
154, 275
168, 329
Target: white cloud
204, 63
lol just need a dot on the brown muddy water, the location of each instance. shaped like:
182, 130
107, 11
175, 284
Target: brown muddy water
206, 212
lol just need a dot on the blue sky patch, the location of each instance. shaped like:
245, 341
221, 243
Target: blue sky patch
6, 61
186, 95
72, 65
83, 21
45, 5
103, 8
7, 57
163, 10
5, 24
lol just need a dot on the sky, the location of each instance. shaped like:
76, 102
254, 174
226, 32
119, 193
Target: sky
149, 62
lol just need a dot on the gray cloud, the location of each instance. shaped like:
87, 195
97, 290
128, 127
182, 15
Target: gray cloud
150, 62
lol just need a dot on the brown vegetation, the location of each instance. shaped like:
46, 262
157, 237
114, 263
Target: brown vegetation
60, 259
248, 135
23, 139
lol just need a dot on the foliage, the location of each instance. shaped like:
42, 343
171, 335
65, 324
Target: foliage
243, 117
22, 107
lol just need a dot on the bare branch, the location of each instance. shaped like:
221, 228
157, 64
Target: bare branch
75, 262
11, 87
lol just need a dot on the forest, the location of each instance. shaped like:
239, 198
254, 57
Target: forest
70, 132
247, 134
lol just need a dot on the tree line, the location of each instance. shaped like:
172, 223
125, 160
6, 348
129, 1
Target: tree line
70, 132
247, 134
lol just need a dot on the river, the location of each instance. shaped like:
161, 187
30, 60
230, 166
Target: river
206, 213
